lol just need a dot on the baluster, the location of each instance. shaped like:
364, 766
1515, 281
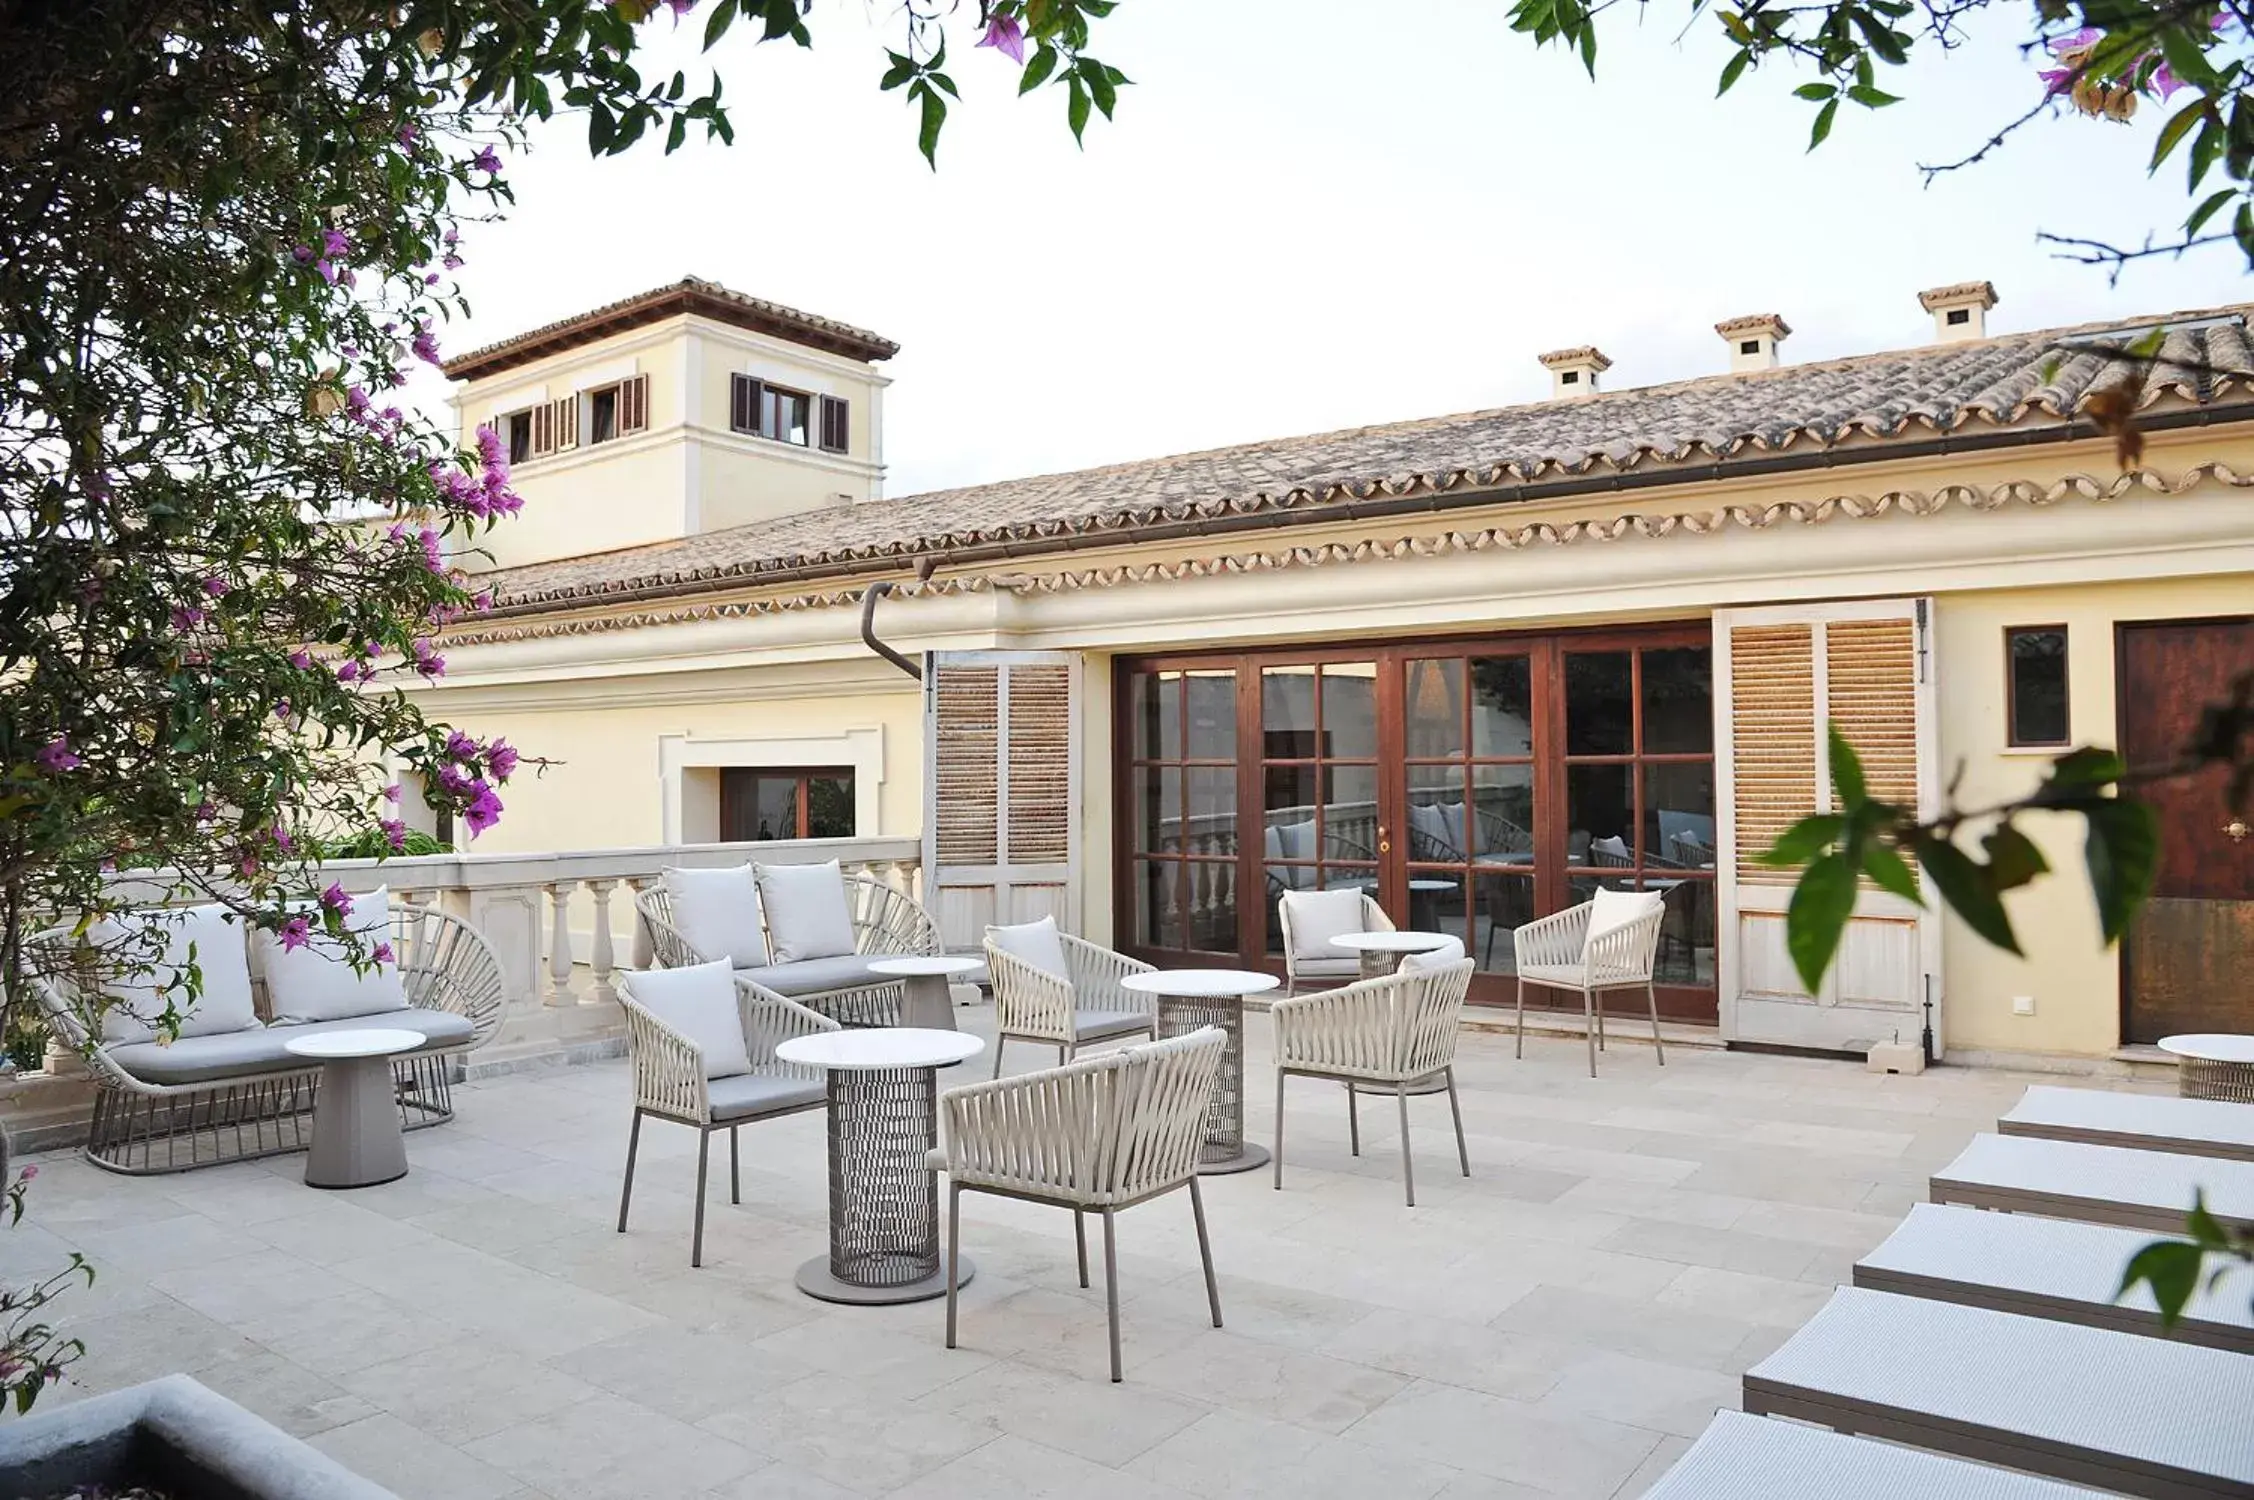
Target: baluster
559, 942
600, 960
645, 952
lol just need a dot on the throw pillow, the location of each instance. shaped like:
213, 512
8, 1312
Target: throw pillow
315, 983
807, 913
700, 1003
1611, 910
1450, 952
212, 937
1319, 916
1037, 943
717, 913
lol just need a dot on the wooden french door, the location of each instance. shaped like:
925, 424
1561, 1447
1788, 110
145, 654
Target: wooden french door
2186, 958
1470, 785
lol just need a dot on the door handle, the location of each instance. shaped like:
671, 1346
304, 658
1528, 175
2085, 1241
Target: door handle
2236, 830
1384, 844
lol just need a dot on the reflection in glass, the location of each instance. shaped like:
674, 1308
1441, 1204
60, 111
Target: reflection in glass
1156, 925
1502, 799
1500, 905
1679, 815
1435, 707
1209, 905
1350, 710
1350, 878
1156, 710
1502, 706
829, 806
1350, 812
1212, 826
1436, 903
1287, 713
2038, 687
1678, 700
1599, 703
1438, 815
1212, 711
1600, 813
1158, 810
1686, 934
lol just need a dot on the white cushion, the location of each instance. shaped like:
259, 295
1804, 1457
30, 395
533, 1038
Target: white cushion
700, 1003
315, 983
1450, 952
1037, 943
1297, 839
221, 957
1433, 823
1613, 845
1611, 910
1319, 916
807, 913
717, 912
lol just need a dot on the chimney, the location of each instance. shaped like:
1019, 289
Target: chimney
1574, 372
1753, 341
1960, 312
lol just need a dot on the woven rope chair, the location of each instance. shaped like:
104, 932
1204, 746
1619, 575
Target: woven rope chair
1395, 1030
1091, 1005
884, 922
1557, 951
1095, 1136
669, 1083
141, 1128
1348, 966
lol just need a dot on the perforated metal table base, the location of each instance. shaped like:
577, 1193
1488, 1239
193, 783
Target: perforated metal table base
884, 1202
1225, 1149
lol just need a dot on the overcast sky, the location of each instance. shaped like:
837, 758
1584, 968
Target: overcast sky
1302, 220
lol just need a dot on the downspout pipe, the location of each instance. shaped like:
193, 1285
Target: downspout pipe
869, 598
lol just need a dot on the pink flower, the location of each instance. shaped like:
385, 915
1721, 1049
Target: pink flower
426, 660
487, 160
349, 672
452, 262
55, 756
303, 254
328, 271
248, 864
301, 660
1006, 36
2164, 81
454, 781
501, 758
335, 899
483, 811
391, 793
461, 747
425, 344
184, 618
434, 552
281, 838
381, 953
334, 242
408, 135
356, 403
205, 812
295, 932
2056, 80
483, 600
490, 447
27, 1174
394, 832
2075, 41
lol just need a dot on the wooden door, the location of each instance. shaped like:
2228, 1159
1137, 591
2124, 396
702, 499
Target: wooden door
2186, 961
1781, 675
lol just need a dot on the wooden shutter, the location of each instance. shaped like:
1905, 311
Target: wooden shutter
567, 422
543, 428
634, 404
1781, 674
836, 425
743, 403
1002, 776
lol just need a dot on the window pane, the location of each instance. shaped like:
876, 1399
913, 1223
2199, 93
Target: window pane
791, 417
1502, 799
602, 416
1287, 713
1502, 706
829, 805
1209, 904
1155, 923
2038, 687
1600, 808
1438, 814
1158, 810
1350, 878
520, 437
1350, 710
1289, 796
1350, 813
1686, 933
1213, 715
1435, 709
1212, 828
1679, 815
1436, 903
1500, 905
1599, 703
1678, 700
1155, 711
775, 808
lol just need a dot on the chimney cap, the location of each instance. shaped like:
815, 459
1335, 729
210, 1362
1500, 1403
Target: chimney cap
1963, 293
1769, 323
1586, 356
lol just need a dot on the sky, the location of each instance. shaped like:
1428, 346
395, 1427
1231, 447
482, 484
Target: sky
1314, 214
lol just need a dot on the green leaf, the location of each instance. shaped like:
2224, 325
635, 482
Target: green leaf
1076, 108
1814, 91
1891, 872
716, 25
1589, 44
2208, 210
934, 116
1821, 904
1824, 117
2171, 1269
2123, 853
1847, 779
1805, 840
2172, 134
1100, 87
1872, 98
2087, 767
1965, 889
1038, 70
902, 70
2013, 859
1733, 70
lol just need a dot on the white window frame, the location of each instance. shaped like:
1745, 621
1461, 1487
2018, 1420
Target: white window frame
691, 812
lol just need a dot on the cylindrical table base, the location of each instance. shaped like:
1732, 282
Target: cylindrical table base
1244, 1161
884, 1203
1225, 1148
356, 1138
2205, 1078
816, 1280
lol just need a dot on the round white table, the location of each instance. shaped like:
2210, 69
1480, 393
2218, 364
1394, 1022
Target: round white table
1381, 954
929, 999
356, 1137
1187, 1000
2214, 1065
884, 1202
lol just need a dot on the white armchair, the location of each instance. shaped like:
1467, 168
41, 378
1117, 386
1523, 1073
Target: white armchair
1067, 997
1393, 1030
1095, 1137
1608, 943
672, 1079
1310, 919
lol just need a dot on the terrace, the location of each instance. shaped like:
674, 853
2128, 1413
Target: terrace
1562, 1323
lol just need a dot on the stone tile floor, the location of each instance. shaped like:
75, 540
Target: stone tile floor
1561, 1324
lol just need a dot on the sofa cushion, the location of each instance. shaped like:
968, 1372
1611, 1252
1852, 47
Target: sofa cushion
1319, 916
1036, 943
1610, 910
1095, 1025
749, 1094
701, 1003
818, 976
1449, 952
242, 1054
807, 913
1347, 967
315, 983
717, 913
221, 957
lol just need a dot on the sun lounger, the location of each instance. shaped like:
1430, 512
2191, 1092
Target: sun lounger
2137, 1416
2099, 1184
1752, 1458
2047, 1268
2149, 1122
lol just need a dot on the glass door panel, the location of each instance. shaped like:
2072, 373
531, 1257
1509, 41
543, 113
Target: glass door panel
1182, 795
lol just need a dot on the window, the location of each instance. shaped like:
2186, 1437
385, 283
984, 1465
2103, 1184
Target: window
760, 803
1958, 316
1570, 377
517, 427
836, 427
1749, 346
2035, 661
769, 411
602, 414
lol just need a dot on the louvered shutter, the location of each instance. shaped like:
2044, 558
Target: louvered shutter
743, 403
567, 422
543, 429
634, 404
836, 425
1002, 776
1780, 675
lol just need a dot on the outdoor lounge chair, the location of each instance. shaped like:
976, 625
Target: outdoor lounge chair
2048, 1268
1060, 991
1095, 1137
1609, 942
1753, 1458
2189, 1127
2132, 1415
1308, 920
2099, 1184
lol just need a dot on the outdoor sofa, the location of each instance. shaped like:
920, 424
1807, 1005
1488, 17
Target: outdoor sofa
226, 1089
